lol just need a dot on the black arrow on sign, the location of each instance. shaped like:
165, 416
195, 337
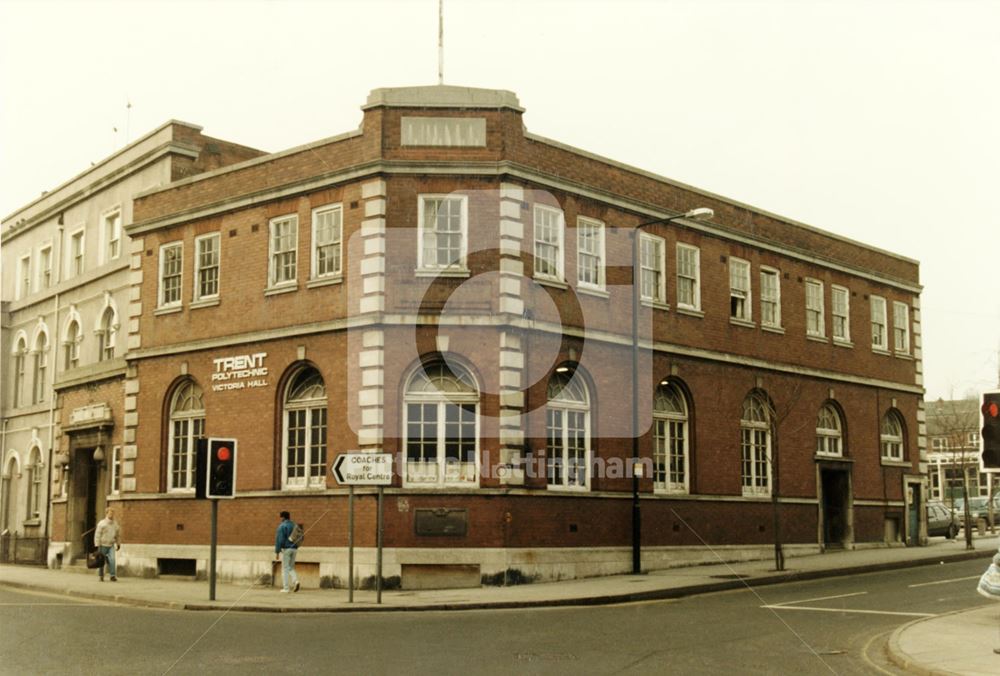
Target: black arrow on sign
336, 469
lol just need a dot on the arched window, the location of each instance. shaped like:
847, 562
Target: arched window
41, 351
891, 437
8, 499
567, 428
35, 474
71, 346
187, 424
755, 446
829, 432
304, 462
20, 350
441, 438
671, 471
106, 335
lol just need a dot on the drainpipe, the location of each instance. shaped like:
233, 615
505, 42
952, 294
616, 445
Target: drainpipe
54, 355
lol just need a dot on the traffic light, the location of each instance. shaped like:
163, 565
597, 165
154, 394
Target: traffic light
990, 455
221, 468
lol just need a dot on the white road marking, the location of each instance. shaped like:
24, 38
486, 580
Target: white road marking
849, 610
956, 579
820, 598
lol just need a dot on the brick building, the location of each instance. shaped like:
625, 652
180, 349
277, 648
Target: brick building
65, 291
445, 286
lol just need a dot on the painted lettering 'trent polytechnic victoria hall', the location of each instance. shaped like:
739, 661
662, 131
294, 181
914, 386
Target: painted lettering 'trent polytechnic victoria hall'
446, 287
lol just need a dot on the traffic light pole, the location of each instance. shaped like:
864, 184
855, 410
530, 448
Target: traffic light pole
211, 556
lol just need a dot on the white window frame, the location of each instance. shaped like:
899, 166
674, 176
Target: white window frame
45, 267
199, 266
334, 211
646, 265
692, 276
35, 470
767, 299
72, 345
665, 423
739, 276
107, 334
19, 353
423, 264
814, 307
900, 327
116, 470
111, 233
543, 212
750, 442
841, 313
195, 419
879, 307
76, 260
163, 301
583, 225
24, 275
566, 407
829, 439
891, 445
275, 263
41, 354
423, 474
315, 407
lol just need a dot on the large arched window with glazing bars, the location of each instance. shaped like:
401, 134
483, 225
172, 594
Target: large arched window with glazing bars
304, 440
441, 429
671, 466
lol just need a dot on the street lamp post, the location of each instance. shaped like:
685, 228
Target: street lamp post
699, 214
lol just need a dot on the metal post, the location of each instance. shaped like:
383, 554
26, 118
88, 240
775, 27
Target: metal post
350, 545
636, 516
378, 552
211, 556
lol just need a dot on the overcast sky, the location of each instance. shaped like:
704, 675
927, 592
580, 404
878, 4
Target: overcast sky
878, 120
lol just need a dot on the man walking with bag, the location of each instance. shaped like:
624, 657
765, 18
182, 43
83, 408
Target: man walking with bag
107, 537
286, 545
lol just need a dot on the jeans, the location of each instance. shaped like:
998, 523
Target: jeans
109, 558
288, 568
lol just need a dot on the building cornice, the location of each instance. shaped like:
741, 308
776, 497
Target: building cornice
495, 321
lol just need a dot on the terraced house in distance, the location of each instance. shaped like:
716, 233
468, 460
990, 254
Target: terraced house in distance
444, 286
66, 286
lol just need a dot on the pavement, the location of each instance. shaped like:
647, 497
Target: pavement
955, 643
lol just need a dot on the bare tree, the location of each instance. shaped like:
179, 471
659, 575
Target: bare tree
956, 422
777, 415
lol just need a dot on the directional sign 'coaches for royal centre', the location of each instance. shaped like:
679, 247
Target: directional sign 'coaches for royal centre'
363, 469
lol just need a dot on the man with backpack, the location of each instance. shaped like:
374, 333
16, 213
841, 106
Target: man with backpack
286, 545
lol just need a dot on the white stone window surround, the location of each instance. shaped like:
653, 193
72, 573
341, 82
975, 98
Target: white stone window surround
111, 234
431, 241
77, 248
24, 275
